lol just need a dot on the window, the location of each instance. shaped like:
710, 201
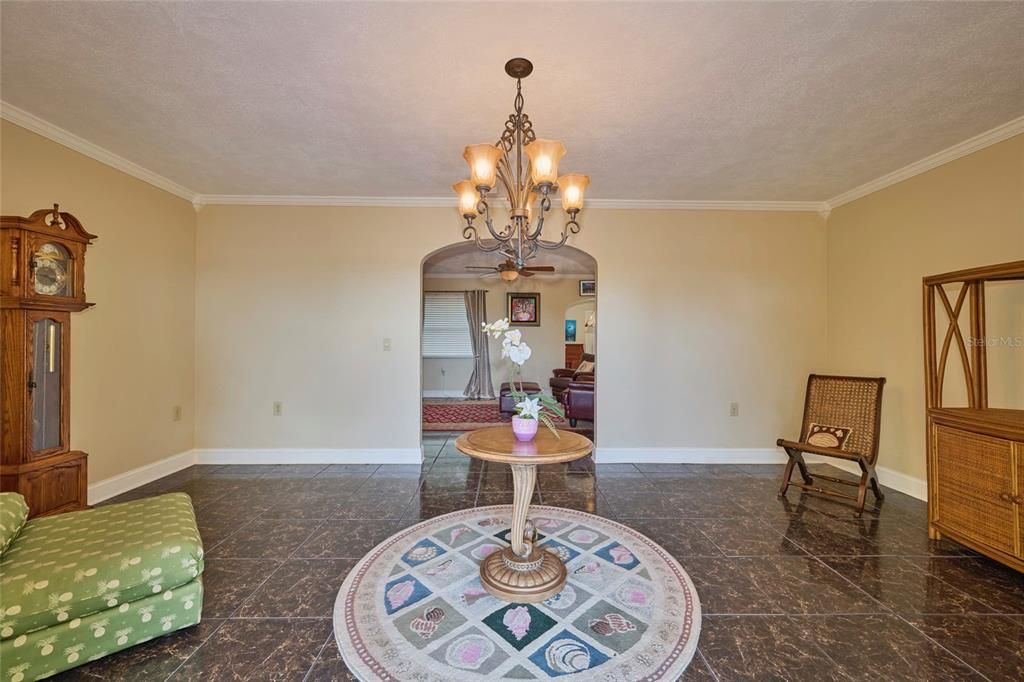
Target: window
445, 327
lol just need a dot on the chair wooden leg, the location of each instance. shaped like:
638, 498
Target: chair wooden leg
875, 487
862, 492
803, 468
787, 474
796, 458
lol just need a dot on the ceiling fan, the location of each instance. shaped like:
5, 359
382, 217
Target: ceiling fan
509, 272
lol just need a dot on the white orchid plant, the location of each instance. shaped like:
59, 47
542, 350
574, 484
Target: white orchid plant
513, 347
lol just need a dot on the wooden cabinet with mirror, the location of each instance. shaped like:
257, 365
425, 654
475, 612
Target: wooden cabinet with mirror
975, 427
42, 281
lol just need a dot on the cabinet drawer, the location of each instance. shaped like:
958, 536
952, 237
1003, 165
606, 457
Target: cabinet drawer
974, 481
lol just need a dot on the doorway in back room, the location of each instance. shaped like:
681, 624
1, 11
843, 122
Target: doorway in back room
554, 305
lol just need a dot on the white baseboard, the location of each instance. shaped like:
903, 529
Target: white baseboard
122, 483
129, 480
309, 456
443, 393
688, 456
115, 485
915, 487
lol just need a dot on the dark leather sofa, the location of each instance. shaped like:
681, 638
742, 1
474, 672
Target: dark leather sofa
563, 377
579, 400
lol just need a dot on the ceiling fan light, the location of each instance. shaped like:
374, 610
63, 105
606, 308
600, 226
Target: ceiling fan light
572, 187
483, 164
469, 197
544, 157
509, 275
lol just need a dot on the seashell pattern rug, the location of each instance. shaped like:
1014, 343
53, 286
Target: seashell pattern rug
414, 608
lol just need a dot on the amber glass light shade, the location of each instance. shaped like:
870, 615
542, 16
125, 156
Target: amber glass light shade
483, 164
531, 207
509, 275
544, 157
572, 186
469, 197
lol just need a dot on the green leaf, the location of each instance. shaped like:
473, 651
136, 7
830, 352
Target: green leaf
546, 420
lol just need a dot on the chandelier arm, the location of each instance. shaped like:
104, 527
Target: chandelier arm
486, 213
469, 232
503, 177
570, 227
545, 206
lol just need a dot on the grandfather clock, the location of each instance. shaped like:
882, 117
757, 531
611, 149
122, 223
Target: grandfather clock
42, 281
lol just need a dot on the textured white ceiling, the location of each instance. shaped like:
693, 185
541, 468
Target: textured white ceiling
452, 260
702, 101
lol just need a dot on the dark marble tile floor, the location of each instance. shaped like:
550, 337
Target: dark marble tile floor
791, 589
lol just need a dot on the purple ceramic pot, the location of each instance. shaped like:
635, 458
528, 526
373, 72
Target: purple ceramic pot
524, 429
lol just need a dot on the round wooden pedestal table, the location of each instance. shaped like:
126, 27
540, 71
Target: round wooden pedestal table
523, 572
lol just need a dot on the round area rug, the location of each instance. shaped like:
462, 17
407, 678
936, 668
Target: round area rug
414, 608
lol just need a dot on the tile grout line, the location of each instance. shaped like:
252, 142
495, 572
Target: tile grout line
319, 653
934, 641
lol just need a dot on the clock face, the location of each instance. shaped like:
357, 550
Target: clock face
50, 270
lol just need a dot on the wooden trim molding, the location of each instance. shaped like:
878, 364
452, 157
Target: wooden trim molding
64, 137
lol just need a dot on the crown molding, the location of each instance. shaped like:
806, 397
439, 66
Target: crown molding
22, 118
968, 146
536, 275
699, 205
68, 139
448, 202
315, 200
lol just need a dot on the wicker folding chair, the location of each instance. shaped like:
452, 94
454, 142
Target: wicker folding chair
841, 419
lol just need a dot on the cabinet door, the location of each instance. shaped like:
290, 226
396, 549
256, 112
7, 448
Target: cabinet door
1019, 496
47, 386
974, 487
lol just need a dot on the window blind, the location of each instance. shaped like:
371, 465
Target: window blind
445, 327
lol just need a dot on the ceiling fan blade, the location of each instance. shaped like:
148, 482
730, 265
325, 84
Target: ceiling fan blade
540, 268
525, 273
481, 267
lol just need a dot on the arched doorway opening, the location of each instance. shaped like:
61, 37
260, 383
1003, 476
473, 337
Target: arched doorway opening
447, 358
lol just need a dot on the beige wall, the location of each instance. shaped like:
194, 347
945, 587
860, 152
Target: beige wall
967, 213
697, 309
132, 357
546, 341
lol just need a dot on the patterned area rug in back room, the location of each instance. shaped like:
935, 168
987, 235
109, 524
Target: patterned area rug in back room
467, 415
414, 608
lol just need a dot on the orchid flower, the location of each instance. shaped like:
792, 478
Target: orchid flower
496, 328
517, 354
529, 408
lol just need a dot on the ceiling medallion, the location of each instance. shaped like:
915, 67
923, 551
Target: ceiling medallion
526, 168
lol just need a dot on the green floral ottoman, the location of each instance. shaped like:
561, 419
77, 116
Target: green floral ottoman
78, 586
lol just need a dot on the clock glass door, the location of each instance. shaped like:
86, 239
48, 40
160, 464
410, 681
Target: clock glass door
45, 384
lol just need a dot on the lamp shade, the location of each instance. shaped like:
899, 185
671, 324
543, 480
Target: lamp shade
572, 187
509, 275
469, 197
544, 157
531, 206
483, 164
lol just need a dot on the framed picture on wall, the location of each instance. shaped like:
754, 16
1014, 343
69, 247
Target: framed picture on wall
570, 331
524, 309
588, 287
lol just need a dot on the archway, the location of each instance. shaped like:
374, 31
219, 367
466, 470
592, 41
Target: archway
445, 371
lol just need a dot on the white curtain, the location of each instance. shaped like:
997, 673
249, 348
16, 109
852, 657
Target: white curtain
480, 386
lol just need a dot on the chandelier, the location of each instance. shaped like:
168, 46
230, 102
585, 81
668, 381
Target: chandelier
525, 167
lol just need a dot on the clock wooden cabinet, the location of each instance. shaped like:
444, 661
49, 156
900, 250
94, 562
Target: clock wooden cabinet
42, 281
